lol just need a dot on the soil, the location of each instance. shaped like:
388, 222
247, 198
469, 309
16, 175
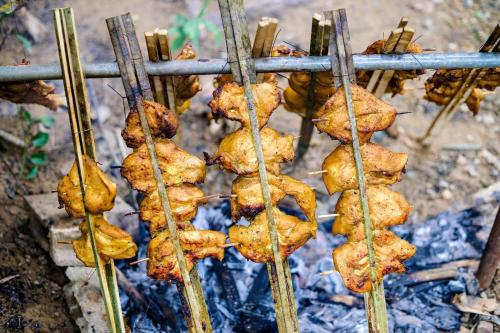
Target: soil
438, 177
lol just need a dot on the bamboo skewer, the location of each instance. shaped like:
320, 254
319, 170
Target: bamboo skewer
492, 44
238, 46
152, 48
307, 126
83, 142
342, 55
195, 312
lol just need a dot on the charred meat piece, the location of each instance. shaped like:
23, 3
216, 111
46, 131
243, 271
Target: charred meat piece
254, 243
473, 102
249, 200
372, 114
184, 200
186, 86
197, 244
100, 191
32, 92
387, 208
381, 167
111, 242
236, 151
162, 123
396, 84
230, 102
177, 166
351, 259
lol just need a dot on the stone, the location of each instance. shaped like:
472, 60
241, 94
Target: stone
84, 300
447, 194
484, 327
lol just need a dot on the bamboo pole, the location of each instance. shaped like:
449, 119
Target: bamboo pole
194, 307
307, 126
238, 46
83, 143
155, 81
374, 301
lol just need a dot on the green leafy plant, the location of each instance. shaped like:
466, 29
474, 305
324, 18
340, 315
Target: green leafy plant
189, 29
33, 157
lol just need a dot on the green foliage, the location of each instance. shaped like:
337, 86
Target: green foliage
33, 157
186, 29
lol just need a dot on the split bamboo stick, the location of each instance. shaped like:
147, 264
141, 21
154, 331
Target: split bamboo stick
155, 81
342, 54
83, 143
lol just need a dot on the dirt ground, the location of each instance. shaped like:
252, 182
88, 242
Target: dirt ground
462, 159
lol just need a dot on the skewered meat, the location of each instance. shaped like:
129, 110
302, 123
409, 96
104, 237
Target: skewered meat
100, 191
111, 242
177, 166
372, 114
229, 101
396, 84
32, 92
381, 167
249, 200
184, 200
236, 151
254, 243
162, 123
445, 83
351, 259
197, 244
186, 86
387, 208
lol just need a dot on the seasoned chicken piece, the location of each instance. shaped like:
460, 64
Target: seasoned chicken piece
396, 84
381, 167
387, 208
249, 200
162, 123
186, 86
100, 191
31, 92
197, 244
351, 259
254, 242
474, 100
111, 242
236, 151
230, 102
177, 166
372, 114
184, 200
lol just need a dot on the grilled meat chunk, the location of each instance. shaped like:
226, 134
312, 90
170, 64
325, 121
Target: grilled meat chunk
100, 191
162, 123
111, 242
381, 167
254, 242
351, 259
197, 244
372, 114
236, 151
184, 200
387, 208
230, 102
177, 166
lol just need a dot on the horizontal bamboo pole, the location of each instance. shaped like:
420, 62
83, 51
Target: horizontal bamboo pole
263, 65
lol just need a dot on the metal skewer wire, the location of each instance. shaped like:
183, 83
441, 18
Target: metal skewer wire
192, 300
341, 57
263, 65
83, 142
238, 46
